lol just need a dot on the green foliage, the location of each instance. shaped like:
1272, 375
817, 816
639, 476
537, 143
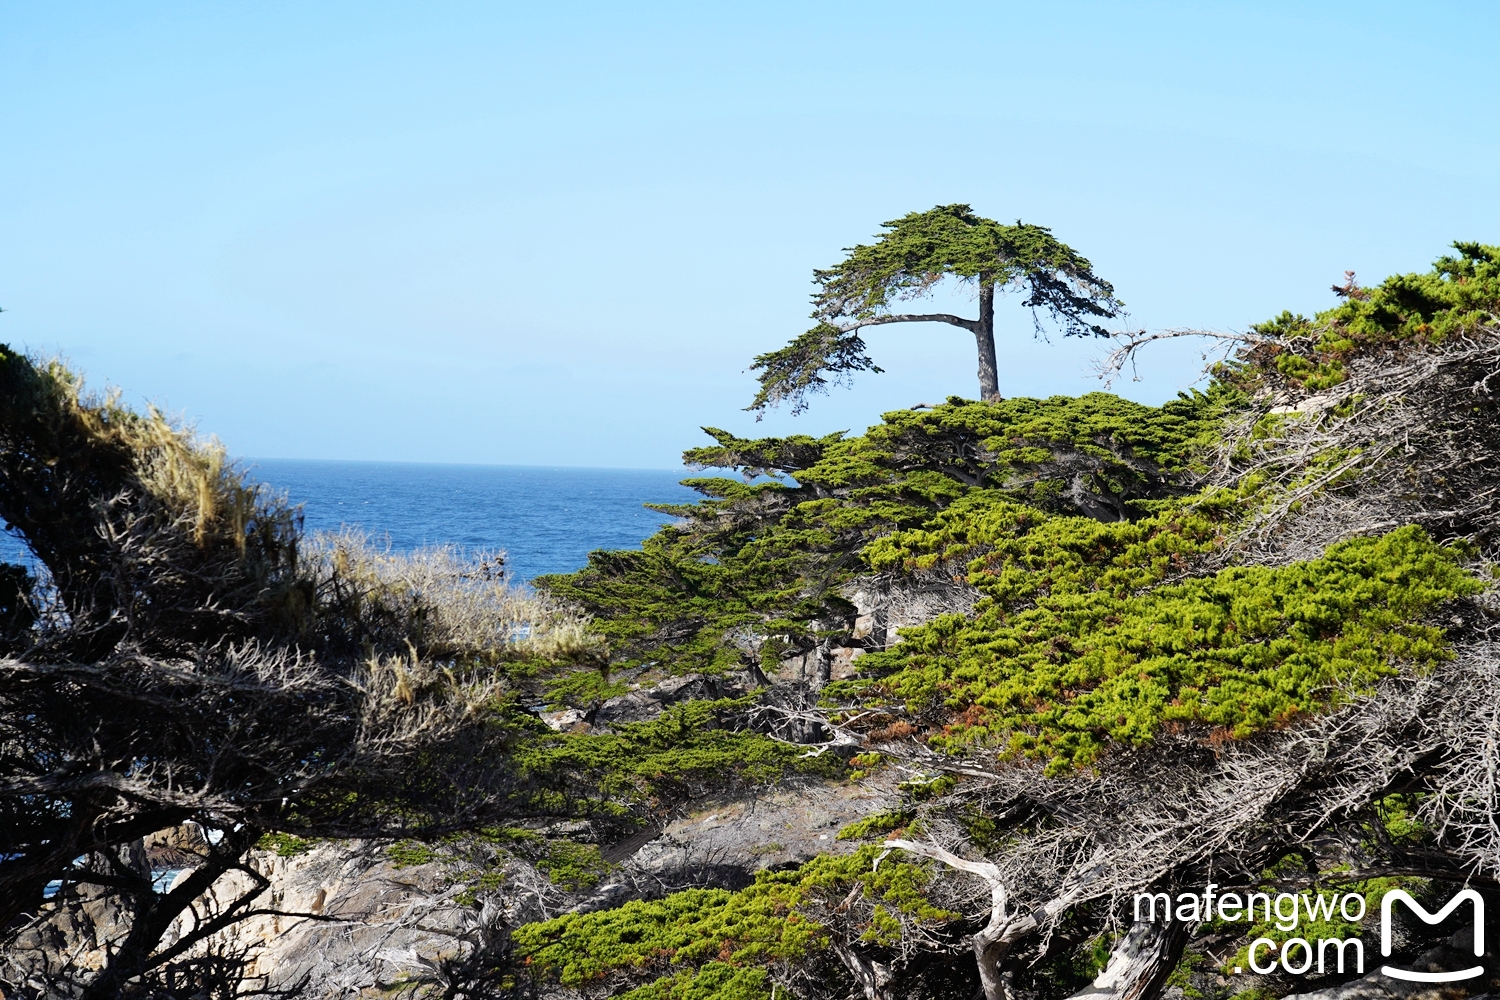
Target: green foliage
1092, 957
410, 853
796, 371
1079, 952
1319, 900
684, 928
692, 745
928, 786
1017, 553
921, 248
884, 929
581, 687
1068, 654
473, 862
1039, 450
760, 456
573, 866
1459, 292
1107, 614
284, 844
714, 981
1398, 819
1321, 897
865, 764
877, 825
754, 565
762, 923
1181, 976
1255, 993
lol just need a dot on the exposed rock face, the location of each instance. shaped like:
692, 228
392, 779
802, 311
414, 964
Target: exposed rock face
818, 666
72, 942
647, 701
567, 720
350, 924
356, 924
787, 826
882, 609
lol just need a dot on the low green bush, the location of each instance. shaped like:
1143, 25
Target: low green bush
1077, 658
762, 923
714, 981
692, 746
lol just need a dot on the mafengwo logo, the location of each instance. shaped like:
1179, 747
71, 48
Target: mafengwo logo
1298, 955
1398, 896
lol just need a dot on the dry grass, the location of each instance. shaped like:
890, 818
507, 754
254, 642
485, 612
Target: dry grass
440, 603
187, 474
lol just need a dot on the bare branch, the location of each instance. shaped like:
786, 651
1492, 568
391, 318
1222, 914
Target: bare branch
1129, 344
968, 324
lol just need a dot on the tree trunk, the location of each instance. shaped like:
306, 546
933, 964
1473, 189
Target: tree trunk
991, 944
1140, 963
984, 338
136, 954
824, 669
872, 977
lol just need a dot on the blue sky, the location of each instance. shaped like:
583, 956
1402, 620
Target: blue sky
557, 234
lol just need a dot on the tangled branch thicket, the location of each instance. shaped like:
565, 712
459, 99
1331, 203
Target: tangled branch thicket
202, 664
1402, 440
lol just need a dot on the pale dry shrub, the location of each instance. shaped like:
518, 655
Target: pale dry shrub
439, 603
566, 639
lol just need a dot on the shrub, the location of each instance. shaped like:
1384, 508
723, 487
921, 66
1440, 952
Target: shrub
763, 923
1068, 655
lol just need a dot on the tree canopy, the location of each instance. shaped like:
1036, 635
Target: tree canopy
917, 252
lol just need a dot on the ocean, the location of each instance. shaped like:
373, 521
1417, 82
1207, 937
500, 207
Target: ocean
547, 520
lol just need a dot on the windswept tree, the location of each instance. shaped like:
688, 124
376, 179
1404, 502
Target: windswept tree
918, 252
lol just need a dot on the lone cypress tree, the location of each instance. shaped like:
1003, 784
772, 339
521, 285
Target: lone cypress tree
918, 251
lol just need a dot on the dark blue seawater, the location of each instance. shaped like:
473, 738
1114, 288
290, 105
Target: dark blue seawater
546, 519
12, 551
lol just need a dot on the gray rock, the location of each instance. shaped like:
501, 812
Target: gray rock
787, 825
646, 703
